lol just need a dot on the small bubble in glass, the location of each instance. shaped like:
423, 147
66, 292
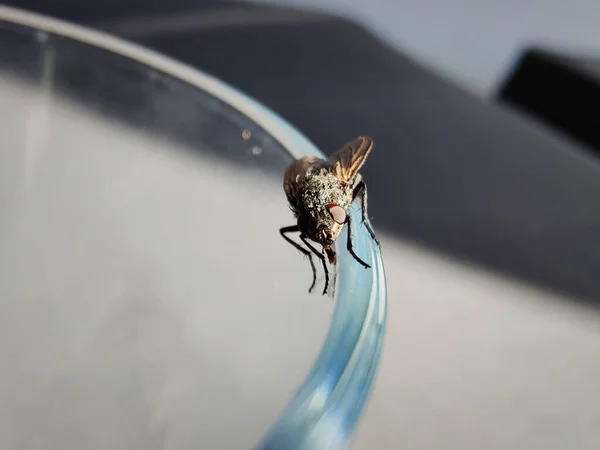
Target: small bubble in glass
41, 36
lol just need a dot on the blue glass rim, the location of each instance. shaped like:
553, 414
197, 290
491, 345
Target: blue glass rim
326, 407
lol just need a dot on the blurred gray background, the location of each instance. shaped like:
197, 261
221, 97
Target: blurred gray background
472, 42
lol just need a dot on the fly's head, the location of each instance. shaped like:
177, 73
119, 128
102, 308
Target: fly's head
323, 213
323, 226
320, 206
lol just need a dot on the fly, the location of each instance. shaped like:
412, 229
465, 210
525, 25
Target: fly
320, 192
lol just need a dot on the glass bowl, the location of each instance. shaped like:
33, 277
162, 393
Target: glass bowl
147, 298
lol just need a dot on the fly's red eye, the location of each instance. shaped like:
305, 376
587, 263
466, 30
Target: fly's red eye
337, 213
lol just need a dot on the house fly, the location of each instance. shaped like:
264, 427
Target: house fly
320, 193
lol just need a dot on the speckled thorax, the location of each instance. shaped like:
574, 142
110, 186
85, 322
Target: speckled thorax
323, 188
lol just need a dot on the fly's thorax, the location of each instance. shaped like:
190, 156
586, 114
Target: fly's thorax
322, 188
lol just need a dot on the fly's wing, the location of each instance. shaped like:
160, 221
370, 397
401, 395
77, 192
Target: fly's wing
347, 161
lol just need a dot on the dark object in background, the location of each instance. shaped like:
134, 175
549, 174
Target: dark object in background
563, 91
453, 172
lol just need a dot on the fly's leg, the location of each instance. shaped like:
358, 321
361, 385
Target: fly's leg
361, 188
294, 229
322, 258
349, 244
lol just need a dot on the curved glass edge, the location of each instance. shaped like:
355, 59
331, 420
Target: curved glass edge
293, 141
325, 409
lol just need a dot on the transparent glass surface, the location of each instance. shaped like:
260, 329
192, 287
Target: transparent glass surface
147, 299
